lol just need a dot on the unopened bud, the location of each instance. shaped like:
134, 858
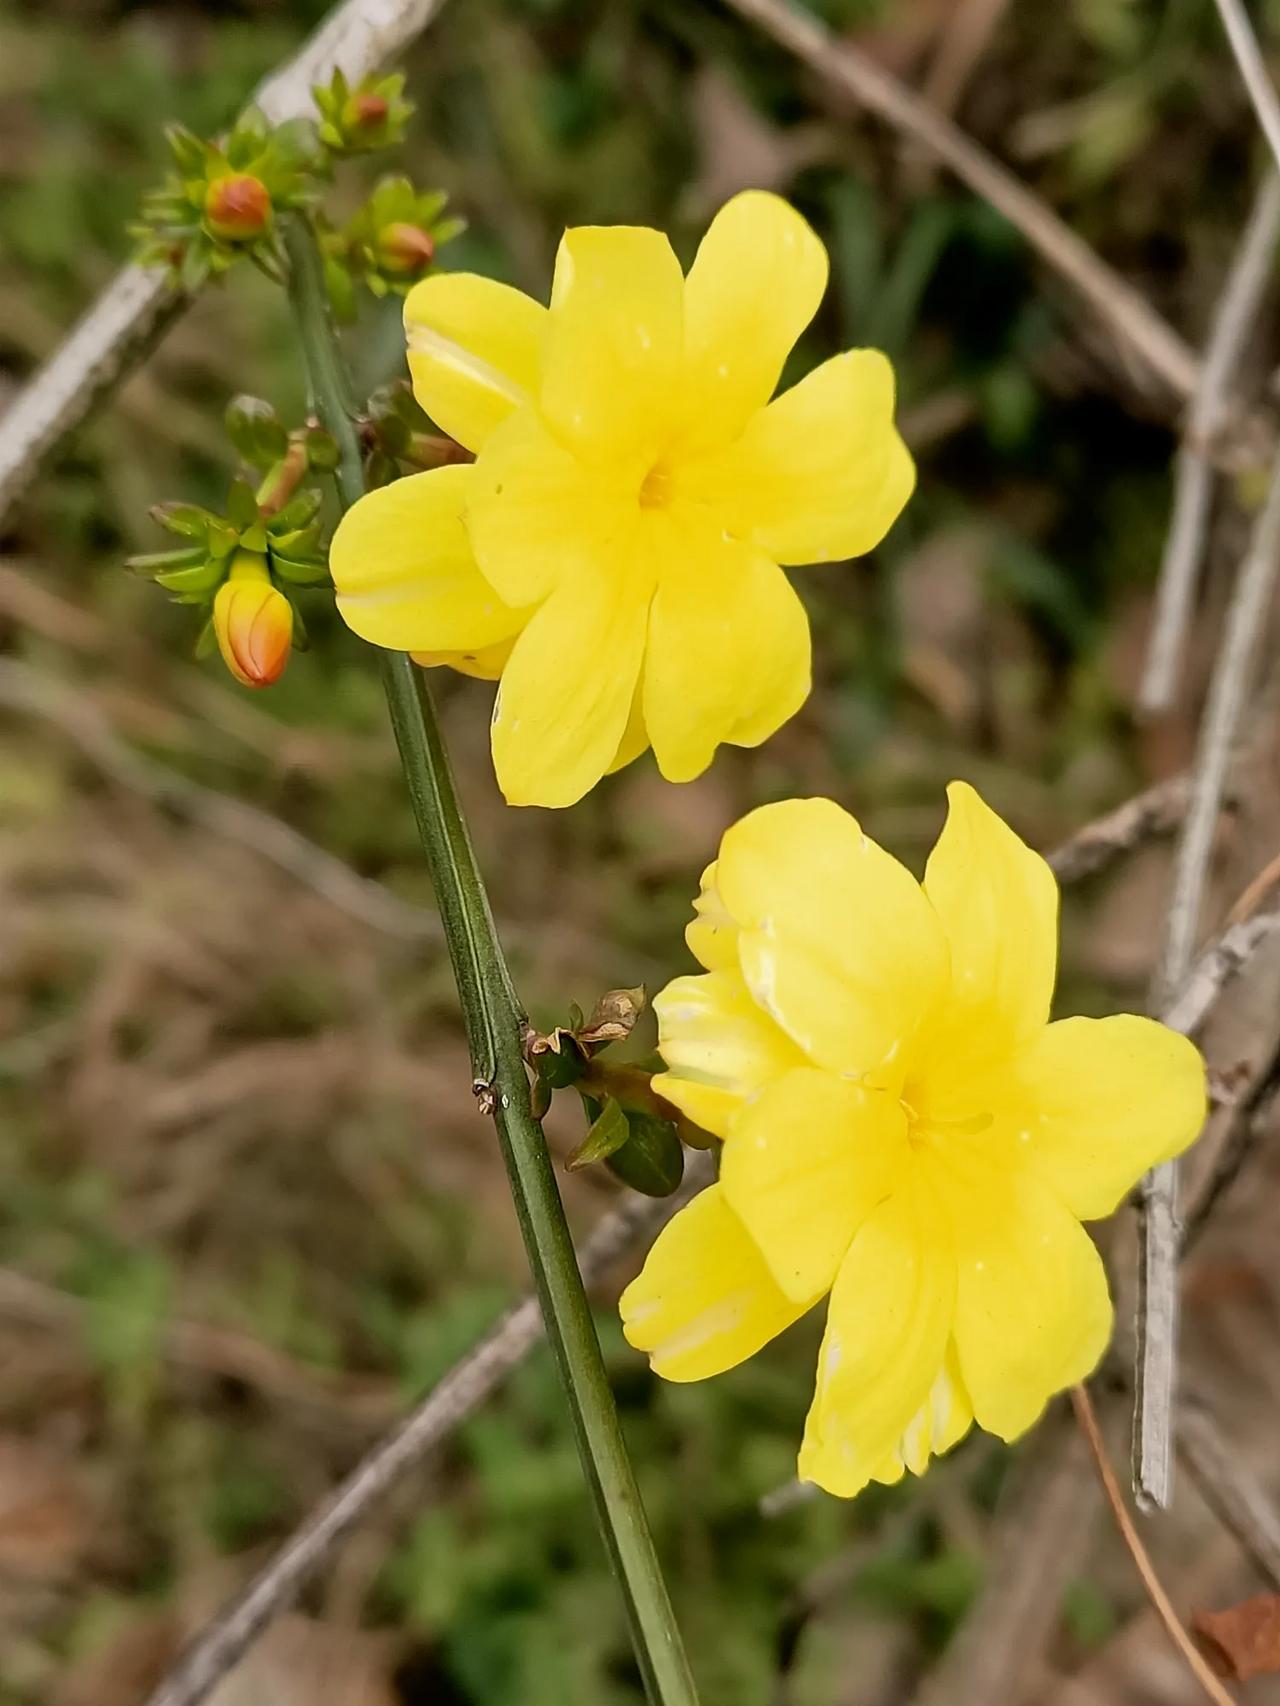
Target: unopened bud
253, 622
367, 111
405, 248
237, 207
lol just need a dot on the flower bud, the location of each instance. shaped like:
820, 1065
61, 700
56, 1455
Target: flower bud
366, 111
253, 622
237, 207
405, 248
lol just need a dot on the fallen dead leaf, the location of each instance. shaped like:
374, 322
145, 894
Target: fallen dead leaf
1243, 1640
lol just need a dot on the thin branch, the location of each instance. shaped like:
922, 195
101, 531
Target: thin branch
1134, 323
1158, 810
25, 689
138, 306
1233, 320
467, 1385
1160, 1235
1253, 70
1213, 1689
1222, 961
1232, 1492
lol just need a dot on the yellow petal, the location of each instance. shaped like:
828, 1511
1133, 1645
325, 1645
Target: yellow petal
885, 1345
755, 284
719, 1047
704, 1301
819, 475
728, 656
404, 573
475, 349
614, 342
567, 691
1033, 1315
485, 663
635, 737
998, 902
711, 934
942, 1420
837, 940
805, 1163
537, 515
1097, 1102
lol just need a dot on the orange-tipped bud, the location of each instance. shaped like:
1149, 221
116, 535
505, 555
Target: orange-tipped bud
237, 207
253, 622
367, 111
405, 248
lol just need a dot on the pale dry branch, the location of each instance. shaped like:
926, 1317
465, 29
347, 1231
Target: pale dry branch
458, 1395
1135, 325
1230, 1489
1234, 318
1253, 70
1160, 1236
138, 306
1156, 811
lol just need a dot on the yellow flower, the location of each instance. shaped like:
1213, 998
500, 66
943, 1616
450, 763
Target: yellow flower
613, 554
903, 1128
253, 623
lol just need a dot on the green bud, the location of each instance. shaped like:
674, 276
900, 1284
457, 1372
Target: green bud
256, 431
651, 1161
322, 449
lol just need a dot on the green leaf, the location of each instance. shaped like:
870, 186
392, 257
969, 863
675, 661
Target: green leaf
242, 505
201, 578
652, 1159
605, 1136
188, 521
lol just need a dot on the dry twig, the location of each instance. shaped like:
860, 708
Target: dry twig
462, 1391
1213, 1689
1233, 319
1253, 70
1230, 1490
1134, 323
1158, 1287
137, 307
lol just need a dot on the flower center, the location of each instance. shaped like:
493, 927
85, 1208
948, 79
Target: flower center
655, 488
922, 1130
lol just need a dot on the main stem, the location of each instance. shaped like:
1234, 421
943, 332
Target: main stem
493, 1019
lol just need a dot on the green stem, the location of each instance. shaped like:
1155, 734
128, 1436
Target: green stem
494, 1025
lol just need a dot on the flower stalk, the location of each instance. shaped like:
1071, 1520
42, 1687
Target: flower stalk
494, 1025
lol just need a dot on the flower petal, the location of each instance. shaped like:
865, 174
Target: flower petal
755, 284
536, 515
475, 349
806, 1161
1033, 1314
404, 573
567, 691
998, 902
1099, 1101
614, 341
704, 1301
728, 656
885, 1344
485, 663
635, 737
819, 475
719, 1046
836, 940
711, 934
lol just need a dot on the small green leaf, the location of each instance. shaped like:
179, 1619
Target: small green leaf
608, 1132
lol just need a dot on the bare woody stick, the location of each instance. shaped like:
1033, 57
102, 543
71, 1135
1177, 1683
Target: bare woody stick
138, 306
1238, 1500
1158, 1258
1233, 319
1139, 331
444, 1409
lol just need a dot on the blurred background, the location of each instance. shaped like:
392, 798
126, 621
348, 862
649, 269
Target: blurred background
247, 1210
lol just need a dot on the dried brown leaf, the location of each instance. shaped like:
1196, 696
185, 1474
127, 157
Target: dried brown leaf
1243, 1640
